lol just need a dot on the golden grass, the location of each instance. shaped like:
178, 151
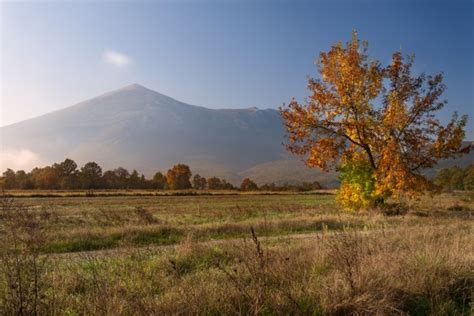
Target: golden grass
420, 263
411, 270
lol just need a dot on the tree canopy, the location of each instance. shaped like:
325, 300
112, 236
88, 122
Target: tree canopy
248, 185
376, 124
179, 177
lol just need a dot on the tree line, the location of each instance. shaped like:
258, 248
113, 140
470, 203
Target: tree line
456, 178
67, 176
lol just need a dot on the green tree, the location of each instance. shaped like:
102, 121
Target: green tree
109, 180
122, 176
358, 184
91, 176
66, 168
214, 183
23, 180
67, 171
159, 181
457, 178
469, 178
9, 179
135, 180
199, 183
443, 179
226, 185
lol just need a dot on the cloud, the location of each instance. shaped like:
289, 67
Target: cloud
18, 159
116, 58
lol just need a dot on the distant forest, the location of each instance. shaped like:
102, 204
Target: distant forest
67, 176
456, 178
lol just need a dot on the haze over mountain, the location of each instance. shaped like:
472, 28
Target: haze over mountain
141, 129
137, 128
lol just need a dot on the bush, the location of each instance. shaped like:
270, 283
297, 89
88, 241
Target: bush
358, 185
23, 273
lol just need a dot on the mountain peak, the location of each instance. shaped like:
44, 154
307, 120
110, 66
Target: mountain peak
134, 86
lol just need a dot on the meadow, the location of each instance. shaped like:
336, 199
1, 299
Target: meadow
144, 252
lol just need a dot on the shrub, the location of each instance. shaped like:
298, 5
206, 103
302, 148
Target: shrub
25, 285
358, 185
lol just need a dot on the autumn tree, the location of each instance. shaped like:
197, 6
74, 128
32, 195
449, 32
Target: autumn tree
199, 183
248, 185
45, 178
377, 124
178, 177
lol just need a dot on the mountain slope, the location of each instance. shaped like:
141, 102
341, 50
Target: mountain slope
138, 128
288, 171
141, 129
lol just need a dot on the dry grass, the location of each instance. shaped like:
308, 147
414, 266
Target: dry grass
411, 270
420, 263
145, 192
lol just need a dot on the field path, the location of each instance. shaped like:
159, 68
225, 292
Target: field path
128, 250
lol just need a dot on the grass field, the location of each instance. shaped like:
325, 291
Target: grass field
127, 253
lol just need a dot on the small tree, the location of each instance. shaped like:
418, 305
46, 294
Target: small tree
67, 171
214, 183
9, 179
122, 176
91, 176
45, 178
178, 177
226, 185
159, 181
135, 180
469, 178
199, 183
455, 178
23, 180
381, 149
26, 286
248, 185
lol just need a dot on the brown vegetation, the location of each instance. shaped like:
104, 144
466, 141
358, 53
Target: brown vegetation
420, 263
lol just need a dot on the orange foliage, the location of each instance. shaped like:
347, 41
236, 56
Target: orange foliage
179, 177
384, 113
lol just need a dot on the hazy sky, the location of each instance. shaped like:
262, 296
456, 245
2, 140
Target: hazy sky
216, 53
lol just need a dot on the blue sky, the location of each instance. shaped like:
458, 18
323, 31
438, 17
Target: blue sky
218, 54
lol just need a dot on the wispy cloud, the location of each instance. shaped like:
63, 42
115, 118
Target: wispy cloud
116, 58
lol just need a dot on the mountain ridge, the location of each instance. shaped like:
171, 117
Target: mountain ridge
139, 128
121, 127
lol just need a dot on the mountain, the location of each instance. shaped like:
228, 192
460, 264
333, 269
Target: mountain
141, 129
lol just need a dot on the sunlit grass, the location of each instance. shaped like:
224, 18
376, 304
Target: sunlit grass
198, 255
